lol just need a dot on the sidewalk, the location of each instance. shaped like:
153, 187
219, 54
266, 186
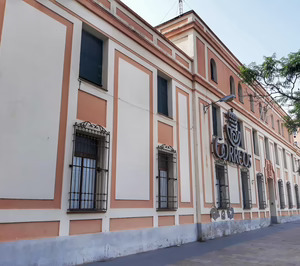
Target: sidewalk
274, 245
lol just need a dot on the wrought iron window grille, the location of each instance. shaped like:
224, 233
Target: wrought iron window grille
223, 201
246, 189
261, 191
281, 194
297, 196
289, 192
90, 167
167, 178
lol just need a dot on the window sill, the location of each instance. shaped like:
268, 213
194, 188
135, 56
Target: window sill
166, 209
85, 211
92, 84
165, 116
214, 81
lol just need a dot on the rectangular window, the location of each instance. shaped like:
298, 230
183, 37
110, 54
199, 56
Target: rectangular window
91, 58
167, 178
281, 194
162, 96
276, 153
278, 126
284, 158
297, 196
272, 121
246, 188
267, 149
89, 179
261, 191
255, 142
240, 128
222, 185
289, 192
282, 130
216, 117
293, 163
252, 103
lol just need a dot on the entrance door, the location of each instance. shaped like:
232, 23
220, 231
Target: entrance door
272, 202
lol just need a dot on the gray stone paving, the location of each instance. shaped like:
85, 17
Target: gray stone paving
274, 245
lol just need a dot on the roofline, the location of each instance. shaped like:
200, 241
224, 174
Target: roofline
226, 48
184, 14
154, 29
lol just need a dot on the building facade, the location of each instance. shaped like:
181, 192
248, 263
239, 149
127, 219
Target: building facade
115, 141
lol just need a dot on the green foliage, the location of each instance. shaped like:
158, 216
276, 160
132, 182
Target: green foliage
281, 79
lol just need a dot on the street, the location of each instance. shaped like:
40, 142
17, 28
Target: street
275, 245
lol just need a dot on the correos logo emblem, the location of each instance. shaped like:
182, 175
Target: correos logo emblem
230, 152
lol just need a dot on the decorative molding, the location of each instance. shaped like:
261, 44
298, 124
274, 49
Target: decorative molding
88, 127
230, 213
214, 213
166, 148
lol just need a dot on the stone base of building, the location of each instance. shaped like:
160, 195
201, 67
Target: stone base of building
286, 219
72, 250
224, 228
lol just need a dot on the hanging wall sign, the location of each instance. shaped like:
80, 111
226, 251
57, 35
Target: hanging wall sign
230, 151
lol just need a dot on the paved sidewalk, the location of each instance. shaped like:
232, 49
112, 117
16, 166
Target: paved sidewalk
274, 245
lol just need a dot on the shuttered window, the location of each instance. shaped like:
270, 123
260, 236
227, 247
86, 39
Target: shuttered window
162, 96
91, 58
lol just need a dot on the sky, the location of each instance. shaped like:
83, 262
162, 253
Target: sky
250, 29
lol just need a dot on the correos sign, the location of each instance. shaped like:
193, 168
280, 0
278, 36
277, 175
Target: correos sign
230, 151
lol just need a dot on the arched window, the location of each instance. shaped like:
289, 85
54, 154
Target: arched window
240, 93
232, 86
213, 70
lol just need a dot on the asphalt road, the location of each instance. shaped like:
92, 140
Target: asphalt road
274, 245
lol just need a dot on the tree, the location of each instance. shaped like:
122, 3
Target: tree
280, 77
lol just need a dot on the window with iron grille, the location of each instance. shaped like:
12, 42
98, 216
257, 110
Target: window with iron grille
246, 189
261, 191
223, 200
167, 178
297, 196
89, 180
289, 192
281, 194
